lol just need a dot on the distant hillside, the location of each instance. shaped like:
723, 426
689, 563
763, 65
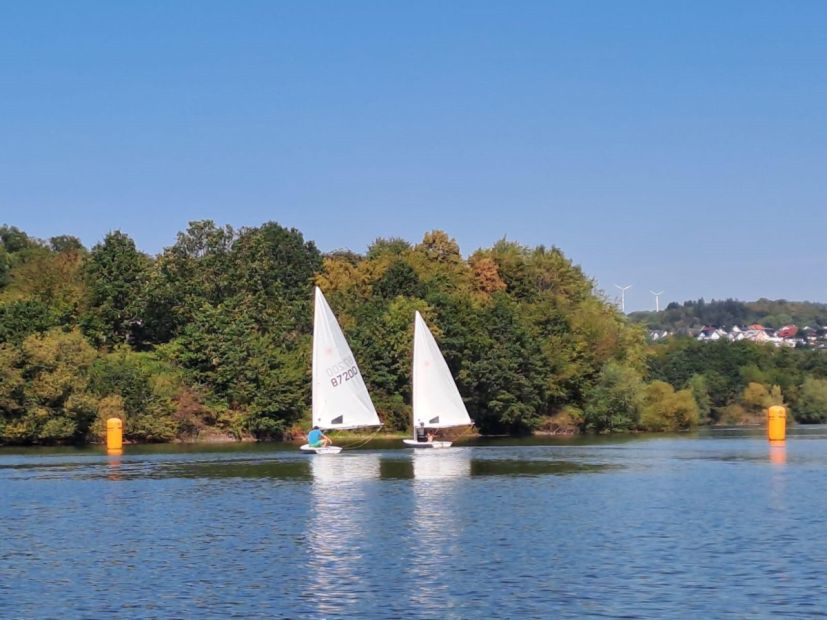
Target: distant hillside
693, 315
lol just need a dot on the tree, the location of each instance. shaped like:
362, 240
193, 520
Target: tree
66, 243
812, 402
12, 385
615, 402
393, 247
116, 275
54, 279
697, 384
48, 401
439, 247
250, 365
381, 338
275, 262
19, 319
5, 267
145, 386
755, 398
14, 240
664, 409
399, 279
502, 371
197, 269
487, 280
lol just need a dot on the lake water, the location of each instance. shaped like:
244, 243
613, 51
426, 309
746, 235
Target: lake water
714, 525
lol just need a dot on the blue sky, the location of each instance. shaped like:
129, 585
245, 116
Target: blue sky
668, 145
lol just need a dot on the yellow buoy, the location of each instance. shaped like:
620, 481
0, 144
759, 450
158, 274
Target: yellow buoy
114, 435
776, 423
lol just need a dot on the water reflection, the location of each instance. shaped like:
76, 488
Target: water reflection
538, 467
396, 469
287, 469
778, 453
722, 526
436, 523
331, 470
778, 478
337, 532
437, 465
113, 465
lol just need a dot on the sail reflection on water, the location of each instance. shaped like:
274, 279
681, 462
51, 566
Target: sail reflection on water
449, 466
437, 522
337, 531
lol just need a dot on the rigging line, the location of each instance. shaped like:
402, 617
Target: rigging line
359, 445
467, 430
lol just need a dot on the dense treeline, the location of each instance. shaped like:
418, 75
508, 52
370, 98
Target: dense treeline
214, 335
694, 315
734, 382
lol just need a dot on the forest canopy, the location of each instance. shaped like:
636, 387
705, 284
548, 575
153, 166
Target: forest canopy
213, 335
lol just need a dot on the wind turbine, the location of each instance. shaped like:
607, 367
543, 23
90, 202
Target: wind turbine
657, 299
623, 290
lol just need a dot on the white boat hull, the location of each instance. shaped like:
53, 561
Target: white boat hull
307, 449
413, 443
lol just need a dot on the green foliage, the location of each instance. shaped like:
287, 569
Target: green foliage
146, 387
697, 385
664, 409
503, 373
812, 403
214, 335
5, 267
615, 402
66, 243
53, 279
693, 315
275, 262
756, 397
719, 362
388, 247
19, 319
438, 247
247, 366
395, 414
44, 396
734, 382
14, 240
197, 269
116, 275
399, 279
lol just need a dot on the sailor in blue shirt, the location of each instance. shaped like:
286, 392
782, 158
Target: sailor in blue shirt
317, 439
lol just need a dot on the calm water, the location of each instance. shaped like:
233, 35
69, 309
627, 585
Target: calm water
717, 525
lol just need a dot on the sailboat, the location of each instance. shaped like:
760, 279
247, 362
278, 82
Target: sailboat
340, 398
436, 399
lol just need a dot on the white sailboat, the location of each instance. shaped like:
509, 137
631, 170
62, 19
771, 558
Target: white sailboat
340, 398
436, 399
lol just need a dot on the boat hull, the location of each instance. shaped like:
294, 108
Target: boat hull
307, 449
413, 443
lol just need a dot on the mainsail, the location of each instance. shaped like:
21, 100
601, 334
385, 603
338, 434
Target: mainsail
340, 398
436, 399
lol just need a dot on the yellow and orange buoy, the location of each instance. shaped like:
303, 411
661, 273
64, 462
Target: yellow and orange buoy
114, 436
776, 423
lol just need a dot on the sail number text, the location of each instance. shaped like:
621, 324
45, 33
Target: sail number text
344, 376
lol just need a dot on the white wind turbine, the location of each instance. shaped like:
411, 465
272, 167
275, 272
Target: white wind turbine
657, 299
623, 290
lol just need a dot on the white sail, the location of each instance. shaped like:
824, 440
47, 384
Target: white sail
436, 399
340, 398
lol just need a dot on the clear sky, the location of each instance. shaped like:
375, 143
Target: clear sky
668, 145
